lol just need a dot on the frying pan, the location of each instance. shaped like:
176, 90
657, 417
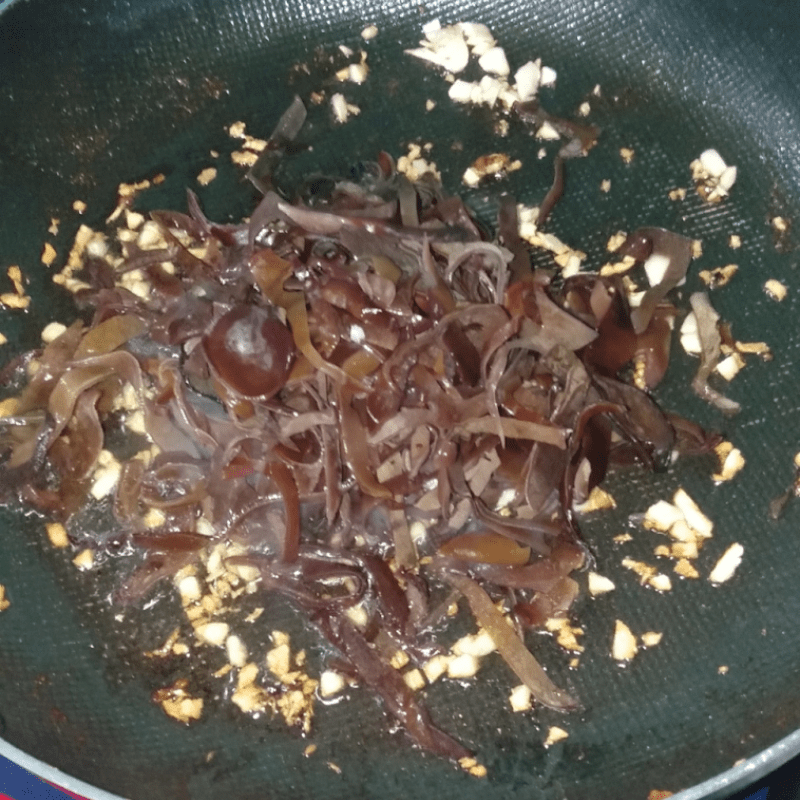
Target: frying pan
104, 91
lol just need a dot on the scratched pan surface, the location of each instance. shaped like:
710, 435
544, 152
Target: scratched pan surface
94, 93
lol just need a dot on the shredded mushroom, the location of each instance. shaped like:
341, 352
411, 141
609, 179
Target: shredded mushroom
316, 381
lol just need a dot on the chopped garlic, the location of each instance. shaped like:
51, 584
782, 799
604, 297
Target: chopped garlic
690, 339
712, 176
105, 480
476, 644
624, 646
57, 534
52, 331
339, 107
279, 660
189, 590
436, 666
358, 615
651, 638
527, 79
236, 650
727, 564
719, 276
213, 633
685, 569
444, 47
370, 32
695, 518
660, 582
495, 62
463, 666
729, 367
598, 500
656, 267
5, 603
207, 175
399, 659
555, 734
357, 73
244, 158
775, 290
478, 36
731, 461
661, 516
547, 132
713, 163
414, 680
566, 634
599, 584
84, 560
549, 76
177, 702
331, 683
48, 254
520, 698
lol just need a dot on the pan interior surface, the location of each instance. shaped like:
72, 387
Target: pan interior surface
101, 92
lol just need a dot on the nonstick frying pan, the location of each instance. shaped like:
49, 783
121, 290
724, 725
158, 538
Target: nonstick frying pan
104, 91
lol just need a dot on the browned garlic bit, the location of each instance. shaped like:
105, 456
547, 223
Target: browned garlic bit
685, 525
719, 276
566, 633
178, 703
489, 166
414, 166
18, 298
471, 765
713, 178
206, 176
57, 534
84, 560
48, 254
4, 601
731, 462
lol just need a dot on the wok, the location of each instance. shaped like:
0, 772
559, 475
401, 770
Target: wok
104, 91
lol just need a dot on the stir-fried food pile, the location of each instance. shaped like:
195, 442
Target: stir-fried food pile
381, 406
